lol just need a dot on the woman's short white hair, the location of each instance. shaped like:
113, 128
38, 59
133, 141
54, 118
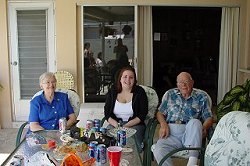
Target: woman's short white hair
46, 75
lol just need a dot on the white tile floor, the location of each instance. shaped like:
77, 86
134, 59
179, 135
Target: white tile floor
7, 145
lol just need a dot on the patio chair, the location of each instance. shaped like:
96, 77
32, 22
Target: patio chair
74, 101
92, 83
230, 143
179, 152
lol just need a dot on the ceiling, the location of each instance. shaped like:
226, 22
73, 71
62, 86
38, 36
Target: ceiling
108, 13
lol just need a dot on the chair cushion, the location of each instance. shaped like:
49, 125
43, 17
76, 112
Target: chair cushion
153, 101
73, 98
230, 143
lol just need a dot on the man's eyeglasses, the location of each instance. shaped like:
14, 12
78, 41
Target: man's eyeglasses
183, 82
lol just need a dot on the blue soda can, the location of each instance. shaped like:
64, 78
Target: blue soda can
94, 129
97, 123
101, 154
121, 138
103, 130
92, 148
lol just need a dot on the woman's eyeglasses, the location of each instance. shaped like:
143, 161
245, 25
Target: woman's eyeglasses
49, 82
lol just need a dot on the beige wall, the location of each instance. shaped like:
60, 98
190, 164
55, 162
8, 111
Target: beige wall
5, 95
65, 23
68, 52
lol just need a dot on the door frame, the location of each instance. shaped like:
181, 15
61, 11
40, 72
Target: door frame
17, 114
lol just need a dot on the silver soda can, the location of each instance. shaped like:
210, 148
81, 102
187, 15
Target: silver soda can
101, 154
89, 124
62, 125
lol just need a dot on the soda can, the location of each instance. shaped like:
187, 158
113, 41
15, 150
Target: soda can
103, 130
101, 154
62, 125
89, 124
92, 148
82, 131
121, 138
97, 123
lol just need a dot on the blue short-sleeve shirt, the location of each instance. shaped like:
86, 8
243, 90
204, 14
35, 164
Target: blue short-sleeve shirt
175, 107
48, 114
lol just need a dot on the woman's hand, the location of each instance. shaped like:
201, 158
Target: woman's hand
113, 122
35, 126
71, 121
132, 122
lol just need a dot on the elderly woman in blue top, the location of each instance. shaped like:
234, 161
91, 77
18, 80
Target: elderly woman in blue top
180, 115
127, 103
47, 108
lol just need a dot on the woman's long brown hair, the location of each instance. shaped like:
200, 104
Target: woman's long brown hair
118, 83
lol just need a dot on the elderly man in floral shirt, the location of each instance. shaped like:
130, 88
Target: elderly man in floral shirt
184, 116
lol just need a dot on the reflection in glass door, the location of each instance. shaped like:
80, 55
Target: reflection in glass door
108, 45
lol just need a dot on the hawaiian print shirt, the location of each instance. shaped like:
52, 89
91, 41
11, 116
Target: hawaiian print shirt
177, 108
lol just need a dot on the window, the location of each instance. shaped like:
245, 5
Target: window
108, 45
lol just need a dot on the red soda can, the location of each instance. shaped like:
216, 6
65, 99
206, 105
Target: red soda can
89, 124
62, 125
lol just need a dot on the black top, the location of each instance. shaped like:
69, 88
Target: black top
139, 104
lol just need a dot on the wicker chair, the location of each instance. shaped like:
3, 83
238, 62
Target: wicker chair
65, 80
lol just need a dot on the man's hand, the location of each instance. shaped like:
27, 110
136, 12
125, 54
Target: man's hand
204, 133
164, 131
206, 125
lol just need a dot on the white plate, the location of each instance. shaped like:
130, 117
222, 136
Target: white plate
66, 138
127, 150
124, 162
129, 131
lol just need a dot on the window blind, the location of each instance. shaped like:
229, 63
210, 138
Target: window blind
32, 49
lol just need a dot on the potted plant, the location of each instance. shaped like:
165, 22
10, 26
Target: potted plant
237, 99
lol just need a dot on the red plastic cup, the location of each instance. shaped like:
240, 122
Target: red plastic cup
114, 155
